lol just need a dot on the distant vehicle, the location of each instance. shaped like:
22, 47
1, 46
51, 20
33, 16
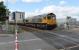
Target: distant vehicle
45, 21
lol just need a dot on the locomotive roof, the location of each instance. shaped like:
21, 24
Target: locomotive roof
43, 15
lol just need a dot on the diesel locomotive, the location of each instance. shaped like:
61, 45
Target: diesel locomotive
45, 21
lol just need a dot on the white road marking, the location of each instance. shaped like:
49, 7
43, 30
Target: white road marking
29, 40
38, 49
4, 43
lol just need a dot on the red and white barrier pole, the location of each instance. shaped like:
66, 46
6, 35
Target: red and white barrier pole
16, 41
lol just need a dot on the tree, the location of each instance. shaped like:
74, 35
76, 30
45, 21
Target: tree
3, 11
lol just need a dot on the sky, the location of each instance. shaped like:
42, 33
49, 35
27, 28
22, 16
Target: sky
62, 8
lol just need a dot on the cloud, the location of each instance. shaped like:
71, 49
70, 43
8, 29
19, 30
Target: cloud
62, 2
2, 0
12, 10
31, 1
10, 1
60, 11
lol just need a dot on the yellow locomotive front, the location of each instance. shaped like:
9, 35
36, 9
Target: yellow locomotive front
50, 20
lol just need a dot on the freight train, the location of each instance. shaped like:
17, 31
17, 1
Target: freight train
45, 22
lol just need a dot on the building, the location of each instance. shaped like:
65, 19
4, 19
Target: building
18, 16
77, 23
71, 21
67, 23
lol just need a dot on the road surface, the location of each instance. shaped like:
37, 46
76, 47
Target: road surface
41, 40
27, 41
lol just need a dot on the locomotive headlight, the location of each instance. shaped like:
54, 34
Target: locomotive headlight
54, 18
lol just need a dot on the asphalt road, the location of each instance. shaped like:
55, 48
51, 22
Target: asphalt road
61, 39
41, 40
58, 39
27, 41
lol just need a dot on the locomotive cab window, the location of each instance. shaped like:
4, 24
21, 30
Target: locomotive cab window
53, 16
49, 17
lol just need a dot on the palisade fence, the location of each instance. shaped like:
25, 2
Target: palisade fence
9, 29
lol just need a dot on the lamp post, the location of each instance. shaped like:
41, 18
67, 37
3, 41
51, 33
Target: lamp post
7, 16
68, 22
7, 20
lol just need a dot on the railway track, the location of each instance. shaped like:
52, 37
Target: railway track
60, 40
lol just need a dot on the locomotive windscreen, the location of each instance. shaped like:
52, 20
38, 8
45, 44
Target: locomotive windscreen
50, 15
